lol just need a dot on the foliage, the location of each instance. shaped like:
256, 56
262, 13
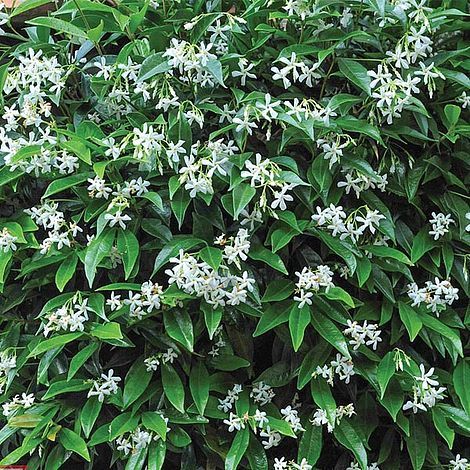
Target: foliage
235, 235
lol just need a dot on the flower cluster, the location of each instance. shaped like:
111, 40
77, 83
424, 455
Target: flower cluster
332, 146
426, 391
227, 403
203, 162
367, 334
7, 241
352, 227
145, 302
198, 278
132, 442
342, 366
262, 393
359, 182
436, 295
283, 464
152, 362
60, 232
440, 225
310, 281
260, 420
396, 78
321, 417
104, 386
235, 248
69, 317
267, 175
18, 402
294, 70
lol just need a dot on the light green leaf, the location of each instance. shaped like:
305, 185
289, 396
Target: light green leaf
199, 385
72, 441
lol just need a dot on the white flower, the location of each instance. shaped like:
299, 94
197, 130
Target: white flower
117, 218
244, 124
262, 393
234, 423
244, 71
459, 463
440, 224
7, 241
425, 378
106, 385
97, 188
114, 302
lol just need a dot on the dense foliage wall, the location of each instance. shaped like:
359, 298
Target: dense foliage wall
235, 234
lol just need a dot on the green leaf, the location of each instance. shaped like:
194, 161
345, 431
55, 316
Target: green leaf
128, 247
62, 386
96, 251
299, 318
154, 421
337, 293
235, 201
461, 381
273, 316
80, 358
28, 420
278, 290
349, 438
157, 451
153, 65
199, 385
422, 243
66, 271
282, 236
136, 382
356, 73
259, 253
173, 387
212, 256
72, 441
179, 204
416, 443
62, 184
317, 356
58, 25
385, 371
387, 252
393, 398
452, 113
214, 67
328, 331
440, 423
111, 330
155, 198
229, 363
310, 445
448, 333
212, 317
89, 415
322, 396
55, 342
27, 5
94, 34
410, 319
178, 326
237, 449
